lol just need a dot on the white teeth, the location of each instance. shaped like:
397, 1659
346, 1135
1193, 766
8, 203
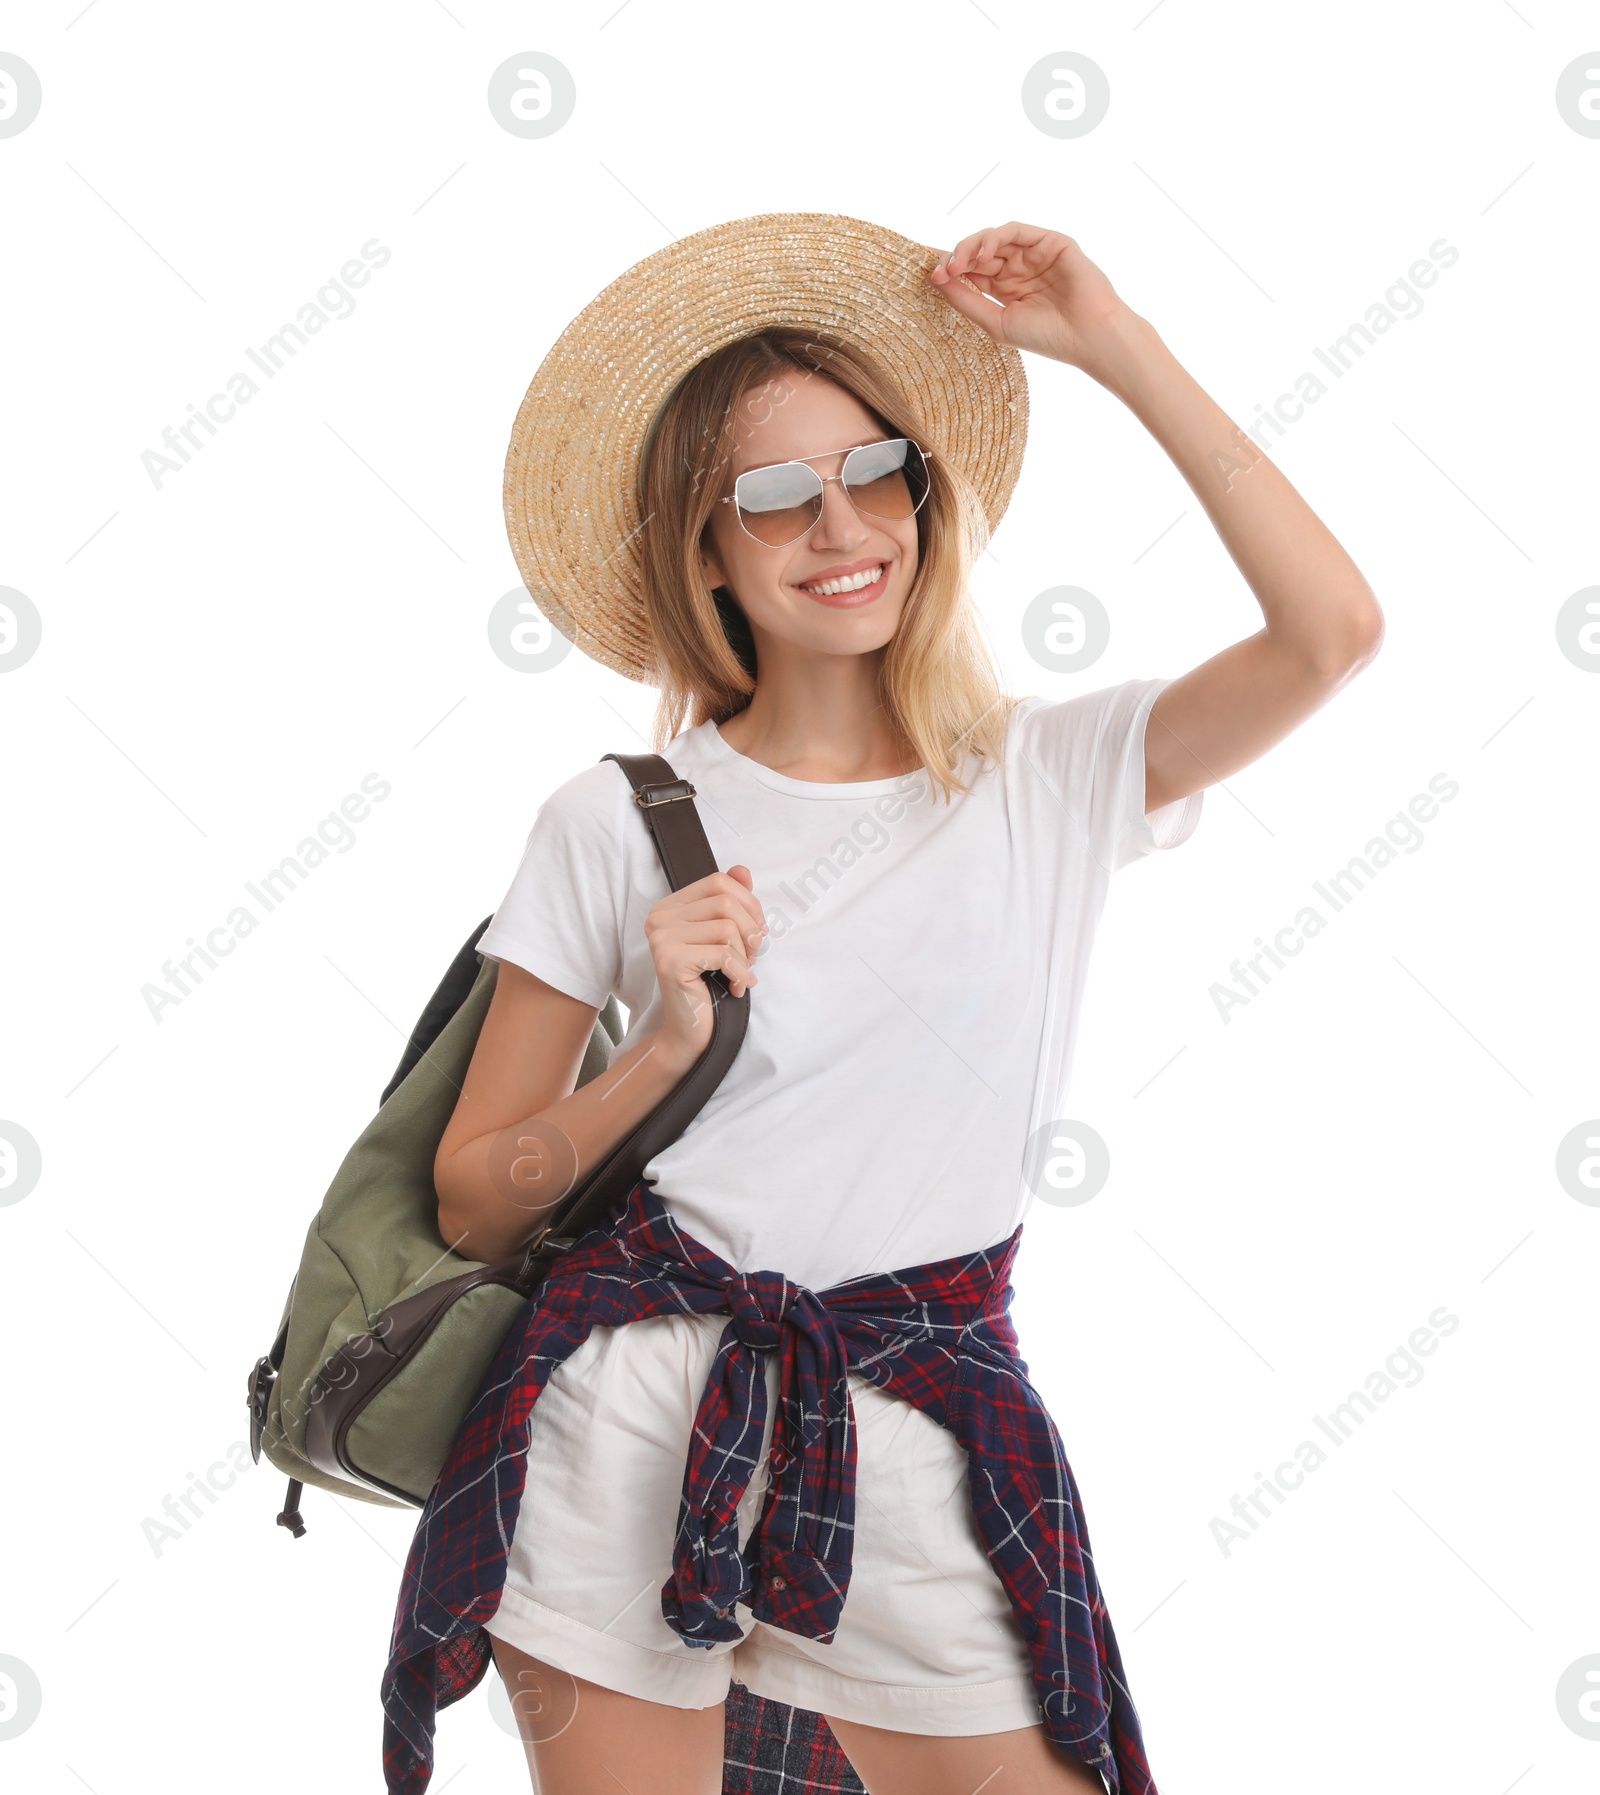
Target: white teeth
851, 583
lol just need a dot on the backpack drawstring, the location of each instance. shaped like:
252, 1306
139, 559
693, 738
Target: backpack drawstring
290, 1517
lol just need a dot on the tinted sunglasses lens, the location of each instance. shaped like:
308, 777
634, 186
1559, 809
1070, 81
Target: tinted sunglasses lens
888, 479
779, 504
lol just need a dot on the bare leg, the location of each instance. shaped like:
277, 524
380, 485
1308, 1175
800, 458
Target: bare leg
583, 1739
1023, 1762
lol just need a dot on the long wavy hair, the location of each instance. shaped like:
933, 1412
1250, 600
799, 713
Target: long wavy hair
937, 681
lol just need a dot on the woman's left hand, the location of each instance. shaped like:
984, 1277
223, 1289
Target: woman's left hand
1055, 301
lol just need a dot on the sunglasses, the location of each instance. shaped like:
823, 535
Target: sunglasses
778, 504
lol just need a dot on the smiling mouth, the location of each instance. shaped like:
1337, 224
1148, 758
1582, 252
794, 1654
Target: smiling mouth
850, 586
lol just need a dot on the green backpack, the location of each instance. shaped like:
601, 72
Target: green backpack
387, 1333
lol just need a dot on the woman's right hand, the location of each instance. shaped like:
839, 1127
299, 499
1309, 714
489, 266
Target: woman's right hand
715, 924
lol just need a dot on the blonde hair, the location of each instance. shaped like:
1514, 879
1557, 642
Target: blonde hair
937, 681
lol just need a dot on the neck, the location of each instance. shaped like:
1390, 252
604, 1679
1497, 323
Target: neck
817, 717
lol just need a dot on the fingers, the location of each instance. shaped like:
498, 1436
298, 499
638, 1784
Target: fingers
681, 970
692, 934
976, 254
971, 305
735, 894
683, 953
985, 253
713, 910
714, 924
734, 967
745, 878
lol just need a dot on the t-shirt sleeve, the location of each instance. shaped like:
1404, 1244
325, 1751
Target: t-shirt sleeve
1089, 751
562, 918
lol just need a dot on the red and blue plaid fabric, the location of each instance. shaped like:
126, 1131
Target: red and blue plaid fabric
938, 1336
769, 1748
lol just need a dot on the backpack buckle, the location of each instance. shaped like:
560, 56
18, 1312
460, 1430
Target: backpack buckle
543, 1246
262, 1379
671, 792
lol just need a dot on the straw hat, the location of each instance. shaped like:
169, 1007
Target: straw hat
571, 471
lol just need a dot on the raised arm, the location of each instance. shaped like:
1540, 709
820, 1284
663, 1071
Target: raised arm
1322, 622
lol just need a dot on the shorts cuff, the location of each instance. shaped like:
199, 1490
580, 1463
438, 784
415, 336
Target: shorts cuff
582, 1651
948, 1710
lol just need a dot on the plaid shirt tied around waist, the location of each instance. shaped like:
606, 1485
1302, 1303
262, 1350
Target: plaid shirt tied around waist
939, 1336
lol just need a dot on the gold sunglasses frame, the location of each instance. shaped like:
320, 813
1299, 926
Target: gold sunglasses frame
827, 480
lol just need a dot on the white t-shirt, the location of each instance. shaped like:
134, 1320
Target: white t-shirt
919, 992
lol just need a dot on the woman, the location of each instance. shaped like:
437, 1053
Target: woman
914, 866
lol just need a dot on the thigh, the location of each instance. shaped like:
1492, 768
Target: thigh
584, 1739
1023, 1762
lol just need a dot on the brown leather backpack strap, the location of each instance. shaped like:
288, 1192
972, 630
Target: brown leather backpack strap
667, 804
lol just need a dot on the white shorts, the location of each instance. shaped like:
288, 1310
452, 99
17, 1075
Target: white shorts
927, 1642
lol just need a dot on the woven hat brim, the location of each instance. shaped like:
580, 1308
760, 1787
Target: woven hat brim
570, 494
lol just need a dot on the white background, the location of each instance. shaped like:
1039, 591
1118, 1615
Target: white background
225, 657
